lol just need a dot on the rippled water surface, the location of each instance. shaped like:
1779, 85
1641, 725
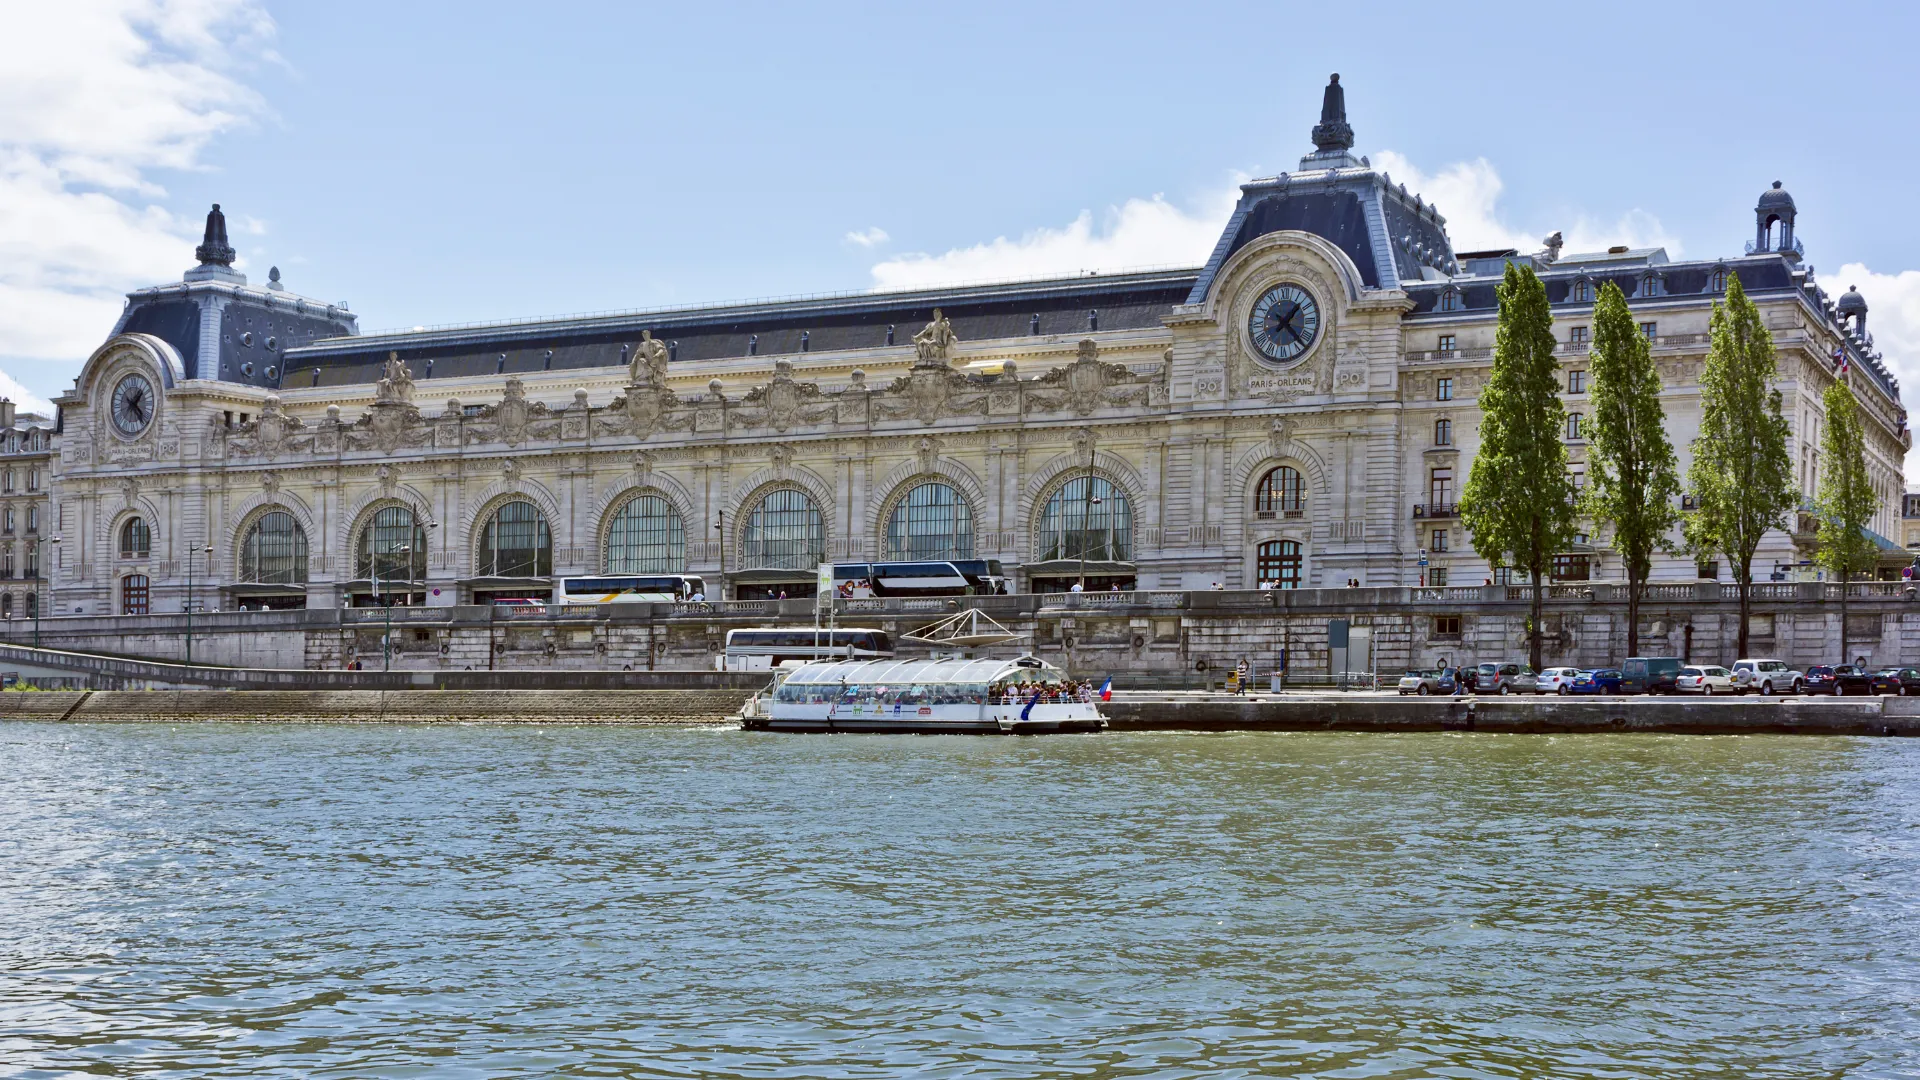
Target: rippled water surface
278, 900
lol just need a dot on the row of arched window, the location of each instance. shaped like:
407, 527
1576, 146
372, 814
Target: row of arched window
1087, 517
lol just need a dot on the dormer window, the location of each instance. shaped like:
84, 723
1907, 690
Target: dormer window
1717, 282
1650, 285
1449, 300
1583, 291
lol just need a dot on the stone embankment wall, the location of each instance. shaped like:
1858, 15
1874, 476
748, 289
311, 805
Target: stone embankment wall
1147, 634
1318, 712
676, 707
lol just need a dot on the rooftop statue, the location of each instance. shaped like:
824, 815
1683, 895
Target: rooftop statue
649, 364
933, 344
396, 385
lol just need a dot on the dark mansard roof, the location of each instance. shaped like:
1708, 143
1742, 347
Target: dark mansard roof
830, 324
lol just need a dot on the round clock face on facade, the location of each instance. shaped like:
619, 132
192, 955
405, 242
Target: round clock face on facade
1284, 324
133, 404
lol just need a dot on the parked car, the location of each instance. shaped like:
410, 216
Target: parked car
1505, 679
1423, 683
1649, 674
1897, 680
1598, 681
1848, 679
1705, 679
1819, 680
1558, 680
1768, 676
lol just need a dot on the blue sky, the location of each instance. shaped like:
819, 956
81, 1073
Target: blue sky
435, 163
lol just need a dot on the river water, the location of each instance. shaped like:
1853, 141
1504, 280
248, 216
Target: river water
506, 901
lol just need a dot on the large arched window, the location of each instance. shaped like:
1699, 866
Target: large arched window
1280, 491
274, 551
1087, 518
136, 540
133, 594
784, 532
646, 537
393, 546
516, 543
1278, 561
931, 522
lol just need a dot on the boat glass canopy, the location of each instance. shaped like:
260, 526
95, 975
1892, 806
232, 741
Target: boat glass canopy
910, 672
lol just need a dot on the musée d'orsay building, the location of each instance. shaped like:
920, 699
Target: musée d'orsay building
1299, 409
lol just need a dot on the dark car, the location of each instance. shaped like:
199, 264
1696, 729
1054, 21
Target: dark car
1846, 679
1897, 680
1650, 674
1819, 679
1601, 681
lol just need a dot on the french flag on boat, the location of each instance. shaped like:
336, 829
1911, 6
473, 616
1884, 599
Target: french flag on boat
1028, 711
1106, 689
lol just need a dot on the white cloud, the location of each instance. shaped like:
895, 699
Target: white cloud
869, 237
1143, 232
1149, 232
95, 96
27, 400
1893, 319
1468, 194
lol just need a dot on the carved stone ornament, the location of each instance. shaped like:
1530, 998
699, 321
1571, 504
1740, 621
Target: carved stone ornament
780, 454
389, 478
934, 344
1089, 383
927, 450
270, 434
643, 467
515, 420
784, 402
270, 483
1280, 436
1082, 441
130, 490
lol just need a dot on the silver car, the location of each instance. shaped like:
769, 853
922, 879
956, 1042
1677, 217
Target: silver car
1424, 683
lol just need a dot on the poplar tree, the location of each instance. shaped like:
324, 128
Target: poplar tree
1741, 475
1518, 502
1634, 481
1846, 496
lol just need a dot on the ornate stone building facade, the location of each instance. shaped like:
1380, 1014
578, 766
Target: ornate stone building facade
1300, 409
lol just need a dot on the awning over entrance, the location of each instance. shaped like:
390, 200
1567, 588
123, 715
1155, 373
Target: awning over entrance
1072, 568
766, 575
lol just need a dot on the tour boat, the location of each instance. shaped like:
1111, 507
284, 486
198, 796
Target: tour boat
1026, 695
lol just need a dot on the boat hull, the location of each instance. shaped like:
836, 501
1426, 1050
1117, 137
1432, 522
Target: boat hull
959, 720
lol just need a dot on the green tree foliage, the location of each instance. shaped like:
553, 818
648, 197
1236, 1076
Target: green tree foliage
1846, 495
1518, 502
1741, 476
1634, 481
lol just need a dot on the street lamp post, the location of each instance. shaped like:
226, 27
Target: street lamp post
720, 527
40, 590
1086, 517
190, 553
386, 603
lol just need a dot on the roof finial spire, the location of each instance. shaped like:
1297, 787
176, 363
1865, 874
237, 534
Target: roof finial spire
214, 249
1332, 133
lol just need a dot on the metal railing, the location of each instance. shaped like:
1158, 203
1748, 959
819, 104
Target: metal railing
1436, 510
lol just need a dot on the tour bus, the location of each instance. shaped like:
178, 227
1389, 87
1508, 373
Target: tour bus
965, 577
630, 589
765, 647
